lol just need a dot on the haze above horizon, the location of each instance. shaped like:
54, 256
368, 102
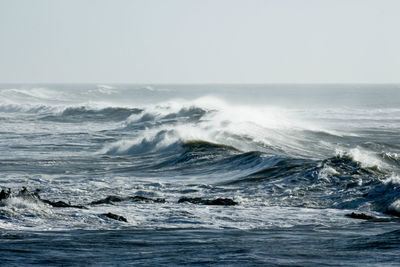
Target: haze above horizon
188, 41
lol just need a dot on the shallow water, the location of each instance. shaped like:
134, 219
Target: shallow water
295, 158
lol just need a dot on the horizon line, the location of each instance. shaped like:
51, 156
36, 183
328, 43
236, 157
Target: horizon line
209, 83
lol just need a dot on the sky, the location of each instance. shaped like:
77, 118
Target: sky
200, 41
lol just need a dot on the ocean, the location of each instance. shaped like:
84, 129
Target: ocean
215, 175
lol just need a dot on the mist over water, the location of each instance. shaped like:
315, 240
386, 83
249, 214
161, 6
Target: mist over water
295, 158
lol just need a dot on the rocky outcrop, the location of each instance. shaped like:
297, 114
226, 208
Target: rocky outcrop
62, 204
107, 200
115, 217
5, 194
218, 201
361, 216
112, 199
28, 195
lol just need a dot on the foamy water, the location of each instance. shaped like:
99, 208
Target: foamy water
295, 159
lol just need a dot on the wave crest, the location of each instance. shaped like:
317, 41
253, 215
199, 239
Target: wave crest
161, 141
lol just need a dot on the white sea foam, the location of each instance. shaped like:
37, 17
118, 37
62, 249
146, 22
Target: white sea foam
325, 172
152, 143
392, 179
20, 206
395, 206
367, 159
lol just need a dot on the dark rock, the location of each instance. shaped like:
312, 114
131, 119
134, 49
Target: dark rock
112, 199
360, 216
218, 201
115, 217
363, 216
4, 194
62, 204
147, 199
107, 200
23, 193
27, 195
392, 212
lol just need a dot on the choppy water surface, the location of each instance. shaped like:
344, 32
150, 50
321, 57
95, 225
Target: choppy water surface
295, 158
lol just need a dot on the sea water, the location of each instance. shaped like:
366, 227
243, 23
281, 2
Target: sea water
295, 158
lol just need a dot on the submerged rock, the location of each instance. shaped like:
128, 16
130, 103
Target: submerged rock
107, 200
361, 216
4, 194
62, 204
28, 195
147, 199
112, 199
23, 193
115, 217
392, 212
218, 201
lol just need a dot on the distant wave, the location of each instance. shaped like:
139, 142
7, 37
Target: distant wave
17, 108
79, 114
33, 95
165, 116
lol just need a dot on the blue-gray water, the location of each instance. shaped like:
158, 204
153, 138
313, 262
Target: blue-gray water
295, 158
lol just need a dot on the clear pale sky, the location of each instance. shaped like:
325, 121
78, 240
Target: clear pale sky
200, 41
